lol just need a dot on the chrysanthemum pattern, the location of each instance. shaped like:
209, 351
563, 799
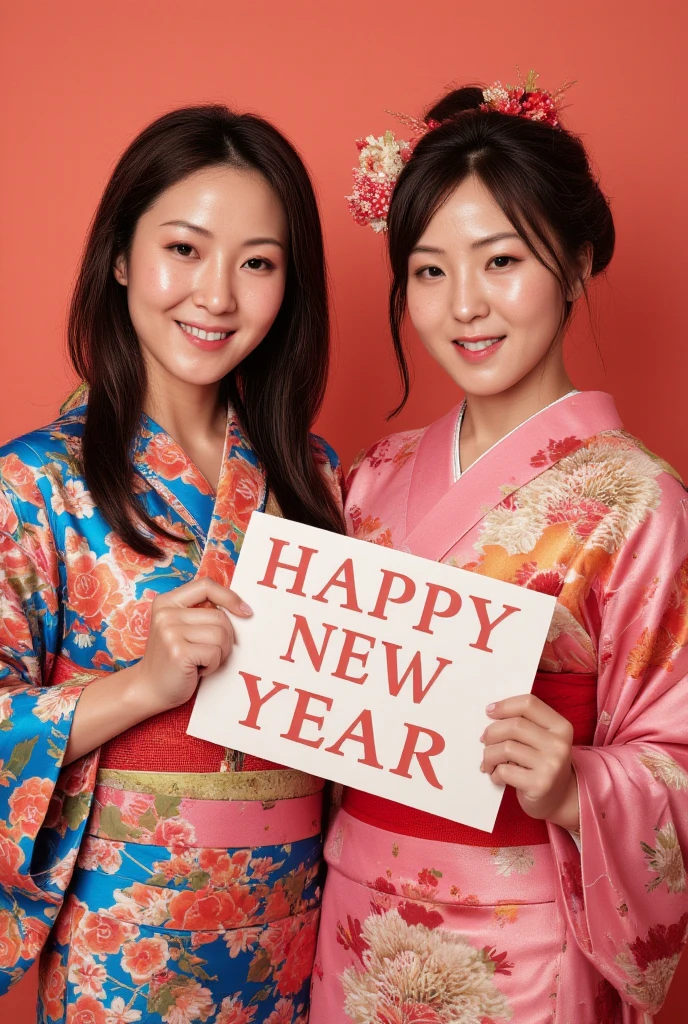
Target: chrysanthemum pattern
414, 973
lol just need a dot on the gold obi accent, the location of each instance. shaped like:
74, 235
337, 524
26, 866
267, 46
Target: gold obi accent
275, 784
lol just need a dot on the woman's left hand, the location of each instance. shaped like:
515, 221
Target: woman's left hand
528, 746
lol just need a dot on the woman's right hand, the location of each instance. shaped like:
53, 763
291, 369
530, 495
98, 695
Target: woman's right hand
190, 635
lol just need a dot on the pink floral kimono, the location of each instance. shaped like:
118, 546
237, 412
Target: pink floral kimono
428, 922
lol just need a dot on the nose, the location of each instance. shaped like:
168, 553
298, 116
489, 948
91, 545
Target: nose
469, 298
215, 289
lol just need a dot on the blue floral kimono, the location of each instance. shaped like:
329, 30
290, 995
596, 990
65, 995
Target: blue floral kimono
163, 878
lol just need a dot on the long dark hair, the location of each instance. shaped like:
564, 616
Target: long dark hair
277, 390
540, 177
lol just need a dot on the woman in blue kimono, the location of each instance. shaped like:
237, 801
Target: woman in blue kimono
164, 878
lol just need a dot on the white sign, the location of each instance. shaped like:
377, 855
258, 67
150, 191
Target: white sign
371, 667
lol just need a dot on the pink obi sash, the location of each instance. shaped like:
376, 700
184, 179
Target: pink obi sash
574, 696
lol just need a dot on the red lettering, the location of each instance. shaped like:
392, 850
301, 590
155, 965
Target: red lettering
415, 669
301, 627
486, 626
301, 715
423, 756
256, 701
385, 593
300, 569
366, 737
347, 583
348, 652
430, 607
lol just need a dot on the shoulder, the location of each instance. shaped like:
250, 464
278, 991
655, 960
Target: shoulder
323, 452
386, 457
37, 446
27, 461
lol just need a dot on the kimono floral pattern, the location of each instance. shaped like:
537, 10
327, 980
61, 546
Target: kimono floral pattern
572, 506
198, 932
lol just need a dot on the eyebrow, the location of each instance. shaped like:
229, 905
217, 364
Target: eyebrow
475, 245
208, 234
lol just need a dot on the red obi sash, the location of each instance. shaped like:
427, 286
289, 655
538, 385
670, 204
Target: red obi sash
574, 696
161, 744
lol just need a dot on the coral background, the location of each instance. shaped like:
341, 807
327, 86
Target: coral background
82, 78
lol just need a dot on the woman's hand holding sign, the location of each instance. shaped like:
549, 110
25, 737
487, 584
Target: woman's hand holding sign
528, 746
189, 636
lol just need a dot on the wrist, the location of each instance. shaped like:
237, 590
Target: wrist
138, 695
568, 813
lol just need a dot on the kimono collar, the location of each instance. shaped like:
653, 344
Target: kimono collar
439, 512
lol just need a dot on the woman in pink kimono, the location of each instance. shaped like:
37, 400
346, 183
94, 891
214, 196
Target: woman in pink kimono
574, 909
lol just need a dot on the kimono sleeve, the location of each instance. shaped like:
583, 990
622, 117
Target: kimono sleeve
42, 810
625, 895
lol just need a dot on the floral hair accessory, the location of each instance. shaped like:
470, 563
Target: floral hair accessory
525, 100
382, 158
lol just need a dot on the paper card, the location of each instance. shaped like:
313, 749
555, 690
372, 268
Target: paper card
371, 667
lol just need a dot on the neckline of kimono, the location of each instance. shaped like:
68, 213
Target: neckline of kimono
456, 455
148, 420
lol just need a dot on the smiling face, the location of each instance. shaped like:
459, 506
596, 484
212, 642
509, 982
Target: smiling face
484, 306
205, 274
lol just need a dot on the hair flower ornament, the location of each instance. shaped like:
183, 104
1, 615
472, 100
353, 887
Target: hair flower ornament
382, 158
380, 162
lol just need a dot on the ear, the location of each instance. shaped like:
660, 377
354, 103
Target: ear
585, 269
120, 270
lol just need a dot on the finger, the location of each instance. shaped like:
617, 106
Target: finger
210, 616
530, 707
513, 775
519, 729
207, 658
510, 750
201, 590
215, 636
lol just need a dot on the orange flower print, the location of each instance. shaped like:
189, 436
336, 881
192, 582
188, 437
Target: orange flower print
87, 976
35, 934
164, 458
126, 633
283, 1012
94, 590
370, 528
11, 857
68, 920
277, 937
52, 986
86, 1010
277, 906
192, 1002
299, 963
211, 910
10, 940
242, 487
131, 563
654, 649
78, 777
233, 1011
223, 868
8, 517
144, 958
217, 564
21, 479
29, 803
175, 834
102, 934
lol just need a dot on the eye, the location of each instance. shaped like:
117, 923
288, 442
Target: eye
430, 273
258, 263
501, 262
182, 248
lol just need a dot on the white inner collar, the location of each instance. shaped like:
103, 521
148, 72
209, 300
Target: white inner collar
459, 421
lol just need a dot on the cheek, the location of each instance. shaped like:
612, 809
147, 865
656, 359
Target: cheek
530, 299
262, 299
426, 311
157, 283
